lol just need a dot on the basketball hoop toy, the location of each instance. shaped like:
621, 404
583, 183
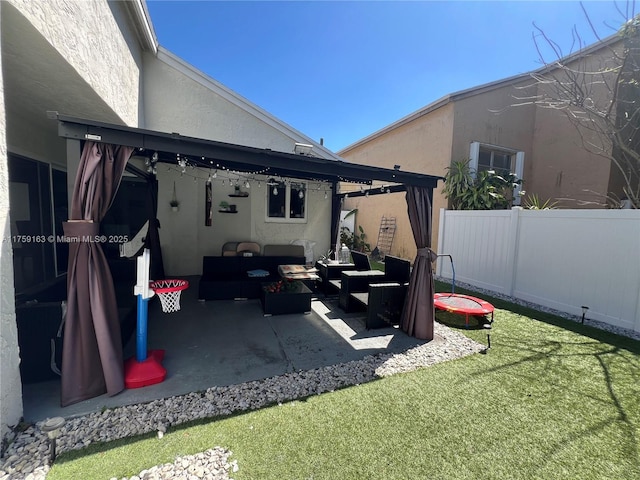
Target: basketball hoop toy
146, 367
168, 292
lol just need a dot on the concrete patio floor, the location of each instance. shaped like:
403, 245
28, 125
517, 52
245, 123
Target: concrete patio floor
228, 342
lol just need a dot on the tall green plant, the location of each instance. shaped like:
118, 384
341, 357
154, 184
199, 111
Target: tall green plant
484, 191
355, 241
458, 181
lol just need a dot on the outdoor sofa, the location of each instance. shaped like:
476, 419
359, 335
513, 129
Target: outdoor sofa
240, 276
39, 315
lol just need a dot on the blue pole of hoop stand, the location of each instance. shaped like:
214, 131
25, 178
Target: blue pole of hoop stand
141, 335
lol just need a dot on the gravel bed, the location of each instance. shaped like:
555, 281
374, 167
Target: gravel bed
27, 456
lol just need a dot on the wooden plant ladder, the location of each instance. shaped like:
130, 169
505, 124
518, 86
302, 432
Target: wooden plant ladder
385, 235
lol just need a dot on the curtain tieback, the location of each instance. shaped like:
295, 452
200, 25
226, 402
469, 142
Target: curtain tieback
427, 252
81, 231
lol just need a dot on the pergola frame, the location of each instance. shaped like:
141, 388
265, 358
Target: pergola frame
239, 158
92, 354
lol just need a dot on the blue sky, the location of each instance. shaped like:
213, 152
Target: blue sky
342, 70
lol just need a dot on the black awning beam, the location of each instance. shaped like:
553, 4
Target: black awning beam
237, 157
382, 189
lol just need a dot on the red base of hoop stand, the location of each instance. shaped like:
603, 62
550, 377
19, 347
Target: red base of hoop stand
148, 372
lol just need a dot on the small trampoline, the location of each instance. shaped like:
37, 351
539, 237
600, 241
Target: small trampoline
462, 304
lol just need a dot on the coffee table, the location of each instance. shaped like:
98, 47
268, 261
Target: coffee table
291, 301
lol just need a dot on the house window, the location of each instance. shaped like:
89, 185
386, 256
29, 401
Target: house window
495, 160
501, 160
286, 201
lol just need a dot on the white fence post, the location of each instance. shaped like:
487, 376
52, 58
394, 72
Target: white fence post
441, 229
512, 253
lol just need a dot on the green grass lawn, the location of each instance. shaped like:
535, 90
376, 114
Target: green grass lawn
552, 399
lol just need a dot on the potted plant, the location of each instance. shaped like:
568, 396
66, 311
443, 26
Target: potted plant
174, 200
224, 206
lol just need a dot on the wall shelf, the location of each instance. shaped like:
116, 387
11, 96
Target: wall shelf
227, 211
235, 195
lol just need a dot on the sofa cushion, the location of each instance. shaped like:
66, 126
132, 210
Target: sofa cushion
396, 269
259, 263
283, 250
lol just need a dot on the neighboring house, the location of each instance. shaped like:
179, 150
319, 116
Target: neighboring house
100, 60
484, 124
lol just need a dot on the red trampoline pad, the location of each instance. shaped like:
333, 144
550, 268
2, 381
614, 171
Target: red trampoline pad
463, 304
458, 303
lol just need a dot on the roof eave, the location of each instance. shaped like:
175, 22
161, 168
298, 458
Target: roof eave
477, 90
142, 23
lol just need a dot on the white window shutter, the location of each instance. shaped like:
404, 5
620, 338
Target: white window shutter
474, 153
519, 171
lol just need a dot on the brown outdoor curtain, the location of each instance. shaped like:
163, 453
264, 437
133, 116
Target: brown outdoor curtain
92, 362
418, 312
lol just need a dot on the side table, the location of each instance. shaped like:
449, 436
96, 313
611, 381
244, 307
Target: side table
331, 271
307, 275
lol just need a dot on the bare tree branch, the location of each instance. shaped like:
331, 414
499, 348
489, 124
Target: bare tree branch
598, 92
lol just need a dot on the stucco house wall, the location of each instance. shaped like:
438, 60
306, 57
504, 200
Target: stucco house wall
10, 385
59, 57
568, 167
97, 41
179, 98
489, 117
421, 143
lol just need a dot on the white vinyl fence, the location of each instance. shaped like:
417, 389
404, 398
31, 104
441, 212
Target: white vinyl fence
562, 259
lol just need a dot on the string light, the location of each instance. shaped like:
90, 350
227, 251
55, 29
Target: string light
237, 178
182, 164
